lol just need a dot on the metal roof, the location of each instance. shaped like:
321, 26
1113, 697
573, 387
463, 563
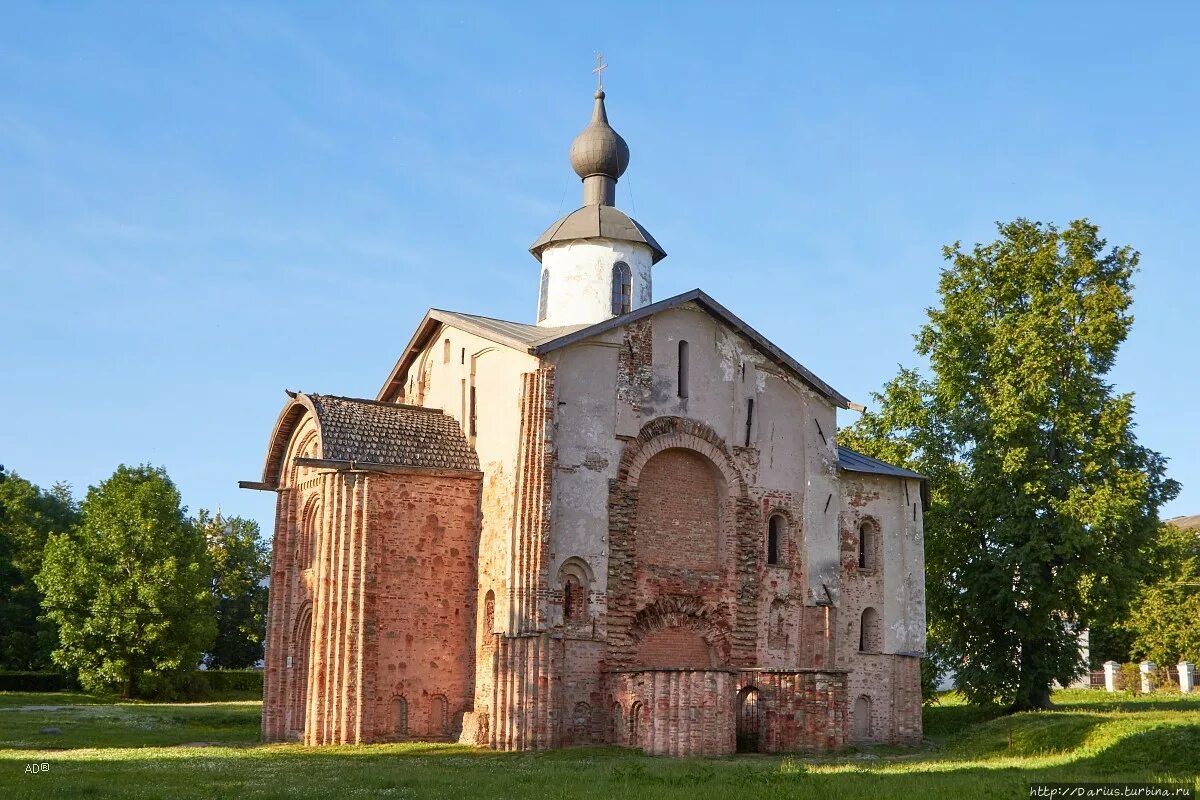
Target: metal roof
516, 334
854, 461
540, 340
597, 222
721, 313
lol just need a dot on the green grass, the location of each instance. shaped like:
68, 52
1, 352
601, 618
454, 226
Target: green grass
132, 750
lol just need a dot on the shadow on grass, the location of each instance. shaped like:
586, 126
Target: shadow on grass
1164, 749
942, 720
1024, 735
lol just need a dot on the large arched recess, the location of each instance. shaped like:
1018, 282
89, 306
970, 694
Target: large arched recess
722, 599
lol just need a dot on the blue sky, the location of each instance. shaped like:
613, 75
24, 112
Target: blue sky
202, 206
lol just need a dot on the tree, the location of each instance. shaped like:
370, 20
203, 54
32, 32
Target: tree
130, 587
1043, 502
1164, 616
241, 562
28, 515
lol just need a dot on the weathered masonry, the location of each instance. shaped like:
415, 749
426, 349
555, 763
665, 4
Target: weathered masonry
628, 523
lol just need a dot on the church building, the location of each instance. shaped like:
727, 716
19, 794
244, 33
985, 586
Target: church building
628, 522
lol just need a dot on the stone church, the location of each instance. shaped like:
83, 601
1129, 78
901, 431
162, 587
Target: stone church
627, 523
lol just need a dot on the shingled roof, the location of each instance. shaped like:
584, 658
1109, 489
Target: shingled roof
369, 433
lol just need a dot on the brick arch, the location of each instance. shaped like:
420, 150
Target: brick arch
683, 612
874, 542
790, 546
733, 583
664, 433
286, 436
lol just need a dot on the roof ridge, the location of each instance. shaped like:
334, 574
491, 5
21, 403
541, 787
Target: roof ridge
740, 326
384, 403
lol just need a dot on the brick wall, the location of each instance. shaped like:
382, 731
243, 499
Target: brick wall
422, 529
679, 646
678, 519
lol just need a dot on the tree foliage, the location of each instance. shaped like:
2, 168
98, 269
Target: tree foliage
241, 563
28, 515
130, 588
1164, 617
1044, 505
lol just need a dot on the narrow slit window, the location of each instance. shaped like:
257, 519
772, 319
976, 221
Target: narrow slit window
473, 410
774, 539
866, 546
749, 419
543, 292
622, 289
683, 368
446, 352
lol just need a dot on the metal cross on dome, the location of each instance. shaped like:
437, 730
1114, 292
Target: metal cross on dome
599, 70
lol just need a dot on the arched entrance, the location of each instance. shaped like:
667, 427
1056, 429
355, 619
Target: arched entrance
749, 722
636, 735
862, 719
298, 690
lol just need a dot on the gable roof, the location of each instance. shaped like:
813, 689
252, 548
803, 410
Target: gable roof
367, 432
540, 340
854, 461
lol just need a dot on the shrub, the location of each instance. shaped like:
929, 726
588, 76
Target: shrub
1131, 679
234, 680
37, 682
199, 684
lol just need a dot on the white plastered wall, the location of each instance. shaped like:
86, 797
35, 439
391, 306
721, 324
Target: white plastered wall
580, 273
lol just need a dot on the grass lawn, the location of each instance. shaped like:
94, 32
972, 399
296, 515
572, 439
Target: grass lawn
144, 750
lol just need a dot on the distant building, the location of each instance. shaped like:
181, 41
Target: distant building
628, 523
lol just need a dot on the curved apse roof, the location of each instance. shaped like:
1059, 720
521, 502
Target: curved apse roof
369, 433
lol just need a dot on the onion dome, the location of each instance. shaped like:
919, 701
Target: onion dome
599, 150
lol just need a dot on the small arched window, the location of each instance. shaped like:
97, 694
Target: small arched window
775, 534
543, 291
622, 289
866, 545
868, 632
683, 368
575, 580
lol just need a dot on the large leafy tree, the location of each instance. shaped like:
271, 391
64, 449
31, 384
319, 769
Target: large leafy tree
1164, 617
130, 588
28, 515
1044, 504
241, 562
